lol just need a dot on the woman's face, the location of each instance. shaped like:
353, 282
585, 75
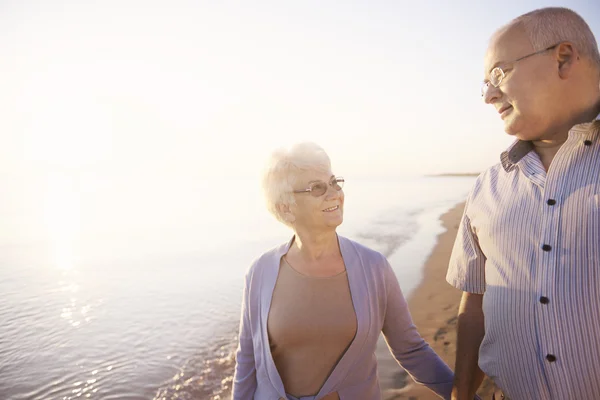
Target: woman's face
317, 213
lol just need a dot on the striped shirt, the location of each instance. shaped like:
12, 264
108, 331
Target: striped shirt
529, 241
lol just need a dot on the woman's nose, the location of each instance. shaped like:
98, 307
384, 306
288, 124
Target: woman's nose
332, 193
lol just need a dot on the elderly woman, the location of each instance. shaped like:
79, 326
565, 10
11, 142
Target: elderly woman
313, 308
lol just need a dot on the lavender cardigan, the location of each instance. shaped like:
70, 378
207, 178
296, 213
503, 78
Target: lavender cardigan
380, 307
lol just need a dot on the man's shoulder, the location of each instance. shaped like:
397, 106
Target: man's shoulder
489, 179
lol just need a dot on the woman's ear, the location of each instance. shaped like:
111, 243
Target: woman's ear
286, 212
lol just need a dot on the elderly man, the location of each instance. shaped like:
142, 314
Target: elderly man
527, 255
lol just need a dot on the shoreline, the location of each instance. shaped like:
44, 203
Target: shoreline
434, 306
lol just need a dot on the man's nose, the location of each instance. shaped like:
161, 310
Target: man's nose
491, 94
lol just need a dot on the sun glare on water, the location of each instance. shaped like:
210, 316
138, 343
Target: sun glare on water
62, 217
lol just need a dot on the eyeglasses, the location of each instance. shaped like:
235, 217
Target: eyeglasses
497, 74
319, 188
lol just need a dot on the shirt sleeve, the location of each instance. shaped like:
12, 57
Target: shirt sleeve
466, 270
407, 346
244, 378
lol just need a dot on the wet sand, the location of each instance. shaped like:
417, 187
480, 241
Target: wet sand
434, 306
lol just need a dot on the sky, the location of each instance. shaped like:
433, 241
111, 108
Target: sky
115, 101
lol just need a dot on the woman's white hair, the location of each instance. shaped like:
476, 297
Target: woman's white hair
282, 170
548, 26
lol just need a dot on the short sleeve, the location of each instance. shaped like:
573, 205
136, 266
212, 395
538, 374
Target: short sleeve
466, 270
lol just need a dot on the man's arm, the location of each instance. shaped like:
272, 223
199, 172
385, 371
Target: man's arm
467, 375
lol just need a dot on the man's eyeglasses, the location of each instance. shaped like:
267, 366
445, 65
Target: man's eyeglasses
319, 188
497, 74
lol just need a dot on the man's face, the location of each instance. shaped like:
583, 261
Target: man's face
526, 96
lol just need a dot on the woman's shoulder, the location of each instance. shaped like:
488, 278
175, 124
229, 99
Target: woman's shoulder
267, 258
373, 264
366, 254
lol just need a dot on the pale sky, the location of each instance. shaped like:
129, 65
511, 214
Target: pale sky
122, 94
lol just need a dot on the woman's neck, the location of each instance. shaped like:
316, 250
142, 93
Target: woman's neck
312, 247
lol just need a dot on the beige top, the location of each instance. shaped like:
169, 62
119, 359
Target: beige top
311, 323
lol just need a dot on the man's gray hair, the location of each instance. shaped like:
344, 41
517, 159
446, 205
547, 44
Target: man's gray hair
549, 26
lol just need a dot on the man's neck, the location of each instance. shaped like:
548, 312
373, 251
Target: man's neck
547, 148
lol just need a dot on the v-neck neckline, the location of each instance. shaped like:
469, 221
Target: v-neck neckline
358, 289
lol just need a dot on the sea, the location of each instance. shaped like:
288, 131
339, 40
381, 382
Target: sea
148, 308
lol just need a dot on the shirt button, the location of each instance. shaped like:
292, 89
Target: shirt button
551, 357
546, 247
587, 142
544, 300
551, 202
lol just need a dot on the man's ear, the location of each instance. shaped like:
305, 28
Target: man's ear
286, 213
567, 56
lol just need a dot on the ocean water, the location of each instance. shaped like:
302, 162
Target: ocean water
150, 310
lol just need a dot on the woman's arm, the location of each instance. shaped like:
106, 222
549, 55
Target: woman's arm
407, 346
244, 379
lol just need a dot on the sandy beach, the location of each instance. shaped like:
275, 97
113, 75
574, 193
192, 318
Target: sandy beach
434, 306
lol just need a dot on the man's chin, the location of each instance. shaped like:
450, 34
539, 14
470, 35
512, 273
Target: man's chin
526, 137
511, 131
514, 130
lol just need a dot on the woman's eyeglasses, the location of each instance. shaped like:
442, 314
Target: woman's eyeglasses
319, 188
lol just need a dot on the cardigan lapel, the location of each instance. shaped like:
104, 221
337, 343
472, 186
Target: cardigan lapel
269, 279
359, 293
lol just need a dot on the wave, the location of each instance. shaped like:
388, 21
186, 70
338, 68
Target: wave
206, 376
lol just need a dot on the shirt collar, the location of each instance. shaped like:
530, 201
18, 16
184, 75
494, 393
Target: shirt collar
520, 148
515, 153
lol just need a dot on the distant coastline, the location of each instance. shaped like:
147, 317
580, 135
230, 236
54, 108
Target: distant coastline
454, 174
